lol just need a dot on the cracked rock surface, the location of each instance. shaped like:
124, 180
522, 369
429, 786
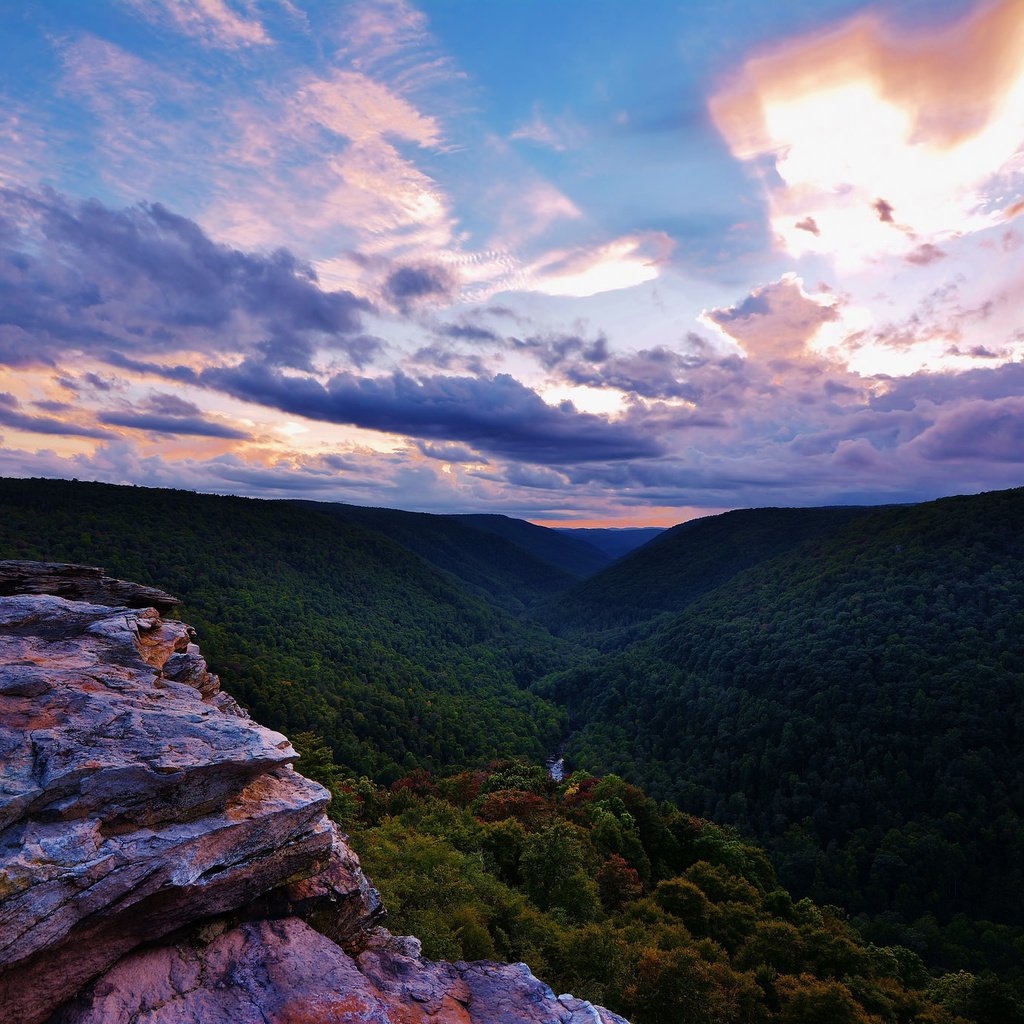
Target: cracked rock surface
160, 859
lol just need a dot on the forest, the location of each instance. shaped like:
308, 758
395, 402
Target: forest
659, 915
840, 690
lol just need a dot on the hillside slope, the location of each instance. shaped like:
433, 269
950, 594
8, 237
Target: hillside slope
614, 541
856, 703
680, 565
571, 554
315, 623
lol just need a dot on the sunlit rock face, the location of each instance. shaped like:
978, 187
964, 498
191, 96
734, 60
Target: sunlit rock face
161, 860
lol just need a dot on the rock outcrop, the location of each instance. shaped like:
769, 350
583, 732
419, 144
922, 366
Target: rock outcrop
160, 858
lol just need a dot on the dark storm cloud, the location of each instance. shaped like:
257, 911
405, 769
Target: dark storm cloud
144, 280
11, 417
496, 415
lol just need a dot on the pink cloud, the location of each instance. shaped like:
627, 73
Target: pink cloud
776, 321
211, 22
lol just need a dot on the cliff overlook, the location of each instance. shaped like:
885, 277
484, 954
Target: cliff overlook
160, 858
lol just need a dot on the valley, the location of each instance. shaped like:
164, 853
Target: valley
842, 686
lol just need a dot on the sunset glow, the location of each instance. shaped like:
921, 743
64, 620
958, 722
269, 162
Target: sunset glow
352, 252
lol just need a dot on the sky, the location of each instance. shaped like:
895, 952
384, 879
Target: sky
586, 262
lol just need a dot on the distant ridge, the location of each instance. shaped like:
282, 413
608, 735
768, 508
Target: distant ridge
513, 567
855, 702
317, 622
578, 556
682, 563
614, 541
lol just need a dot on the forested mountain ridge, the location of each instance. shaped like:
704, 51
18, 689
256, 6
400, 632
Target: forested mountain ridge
574, 555
614, 541
677, 567
850, 696
501, 569
856, 703
313, 622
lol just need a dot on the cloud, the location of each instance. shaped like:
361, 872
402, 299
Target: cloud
559, 133
553, 350
658, 372
352, 104
163, 413
324, 162
496, 415
448, 452
468, 332
623, 263
974, 352
406, 286
211, 22
191, 426
24, 143
976, 431
925, 254
144, 280
11, 417
874, 127
391, 38
529, 207
775, 321
884, 210
171, 405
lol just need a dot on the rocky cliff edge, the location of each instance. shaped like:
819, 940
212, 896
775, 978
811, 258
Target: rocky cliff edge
162, 862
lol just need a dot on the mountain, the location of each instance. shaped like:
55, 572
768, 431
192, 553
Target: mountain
514, 567
160, 858
681, 564
579, 557
855, 702
315, 622
844, 685
613, 541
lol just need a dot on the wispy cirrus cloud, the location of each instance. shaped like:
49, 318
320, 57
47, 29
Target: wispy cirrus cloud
558, 133
213, 23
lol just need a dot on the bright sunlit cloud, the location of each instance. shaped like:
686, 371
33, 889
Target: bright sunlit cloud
622, 263
879, 142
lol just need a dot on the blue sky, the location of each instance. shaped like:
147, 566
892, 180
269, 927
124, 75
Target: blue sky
578, 262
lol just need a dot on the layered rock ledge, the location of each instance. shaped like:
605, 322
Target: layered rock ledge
160, 858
